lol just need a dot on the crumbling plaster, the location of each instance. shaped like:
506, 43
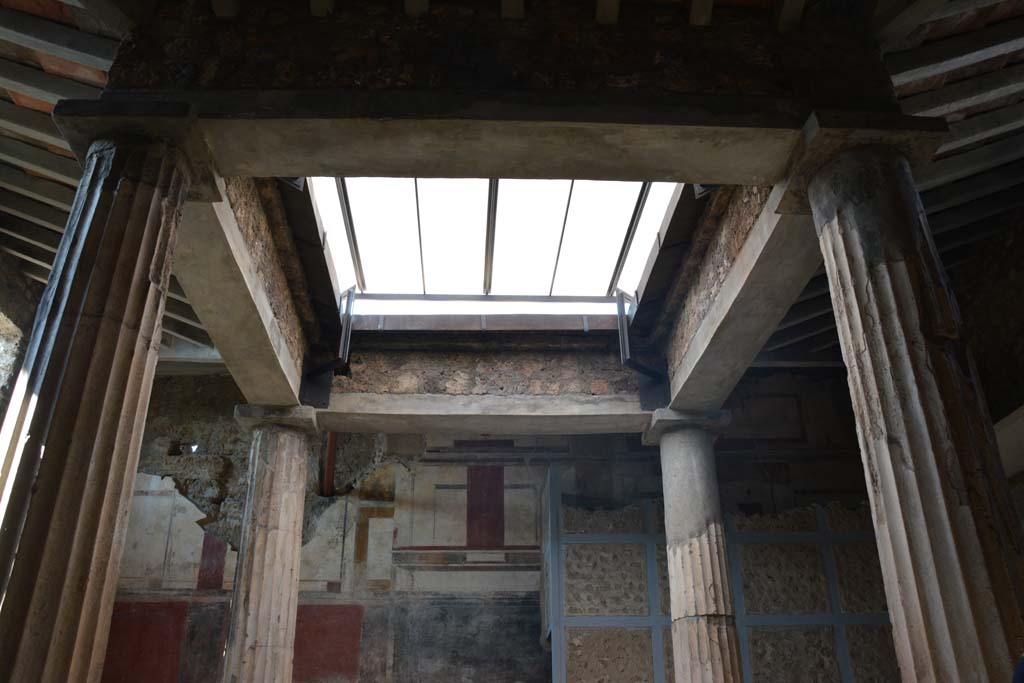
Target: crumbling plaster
198, 410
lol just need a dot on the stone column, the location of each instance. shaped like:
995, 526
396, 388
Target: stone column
261, 637
948, 540
81, 401
704, 643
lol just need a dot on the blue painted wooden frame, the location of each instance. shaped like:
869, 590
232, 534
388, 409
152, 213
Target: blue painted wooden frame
825, 539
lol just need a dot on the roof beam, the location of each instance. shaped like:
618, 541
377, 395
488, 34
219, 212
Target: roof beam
966, 94
35, 272
700, 12
177, 328
30, 124
954, 8
26, 251
30, 232
975, 161
973, 187
901, 18
778, 258
41, 85
31, 210
42, 190
949, 54
56, 39
983, 127
979, 209
492, 219
39, 160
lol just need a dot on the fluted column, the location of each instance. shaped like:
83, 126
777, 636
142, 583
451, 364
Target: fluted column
71, 438
948, 541
261, 636
704, 643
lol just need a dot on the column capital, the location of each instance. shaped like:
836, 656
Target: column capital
665, 420
295, 417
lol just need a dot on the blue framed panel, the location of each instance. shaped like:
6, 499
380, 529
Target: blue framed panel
825, 539
559, 622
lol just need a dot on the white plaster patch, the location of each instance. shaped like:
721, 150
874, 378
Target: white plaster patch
378, 548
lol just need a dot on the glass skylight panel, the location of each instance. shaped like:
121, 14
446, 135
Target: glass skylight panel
324, 192
596, 224
453, 224
384, 218
527, 231
657, 209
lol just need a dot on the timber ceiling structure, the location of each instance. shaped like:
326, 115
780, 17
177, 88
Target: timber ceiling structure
960, 59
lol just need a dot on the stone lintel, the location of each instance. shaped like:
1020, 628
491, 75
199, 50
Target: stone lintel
296, 417
665, 420
828, 132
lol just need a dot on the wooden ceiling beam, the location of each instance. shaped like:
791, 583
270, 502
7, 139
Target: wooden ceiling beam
56, 39
949, 54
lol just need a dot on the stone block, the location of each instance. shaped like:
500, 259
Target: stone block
626, 520
605, 579
783, 578
793, 654
609, 655
872, 653
861, 588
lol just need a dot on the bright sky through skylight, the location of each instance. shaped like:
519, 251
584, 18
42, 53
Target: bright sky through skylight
453, 220
527, 231
430, 234
599, 214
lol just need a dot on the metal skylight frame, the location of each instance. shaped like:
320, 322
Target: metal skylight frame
489, 252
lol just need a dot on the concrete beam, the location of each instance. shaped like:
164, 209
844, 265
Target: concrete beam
215, 267
56, 39
484, 414
775, 263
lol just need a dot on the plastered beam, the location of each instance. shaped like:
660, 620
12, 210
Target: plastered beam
219, 275
778, 258
487, 414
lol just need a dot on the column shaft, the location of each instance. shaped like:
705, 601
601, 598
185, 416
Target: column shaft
704, 640
82, 402
948, 540
261, 637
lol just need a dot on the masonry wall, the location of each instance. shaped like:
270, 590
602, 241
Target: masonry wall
428, 565
18, 298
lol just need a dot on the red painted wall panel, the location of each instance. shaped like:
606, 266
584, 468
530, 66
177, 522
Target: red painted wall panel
145, 642
485, 507
327, 640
